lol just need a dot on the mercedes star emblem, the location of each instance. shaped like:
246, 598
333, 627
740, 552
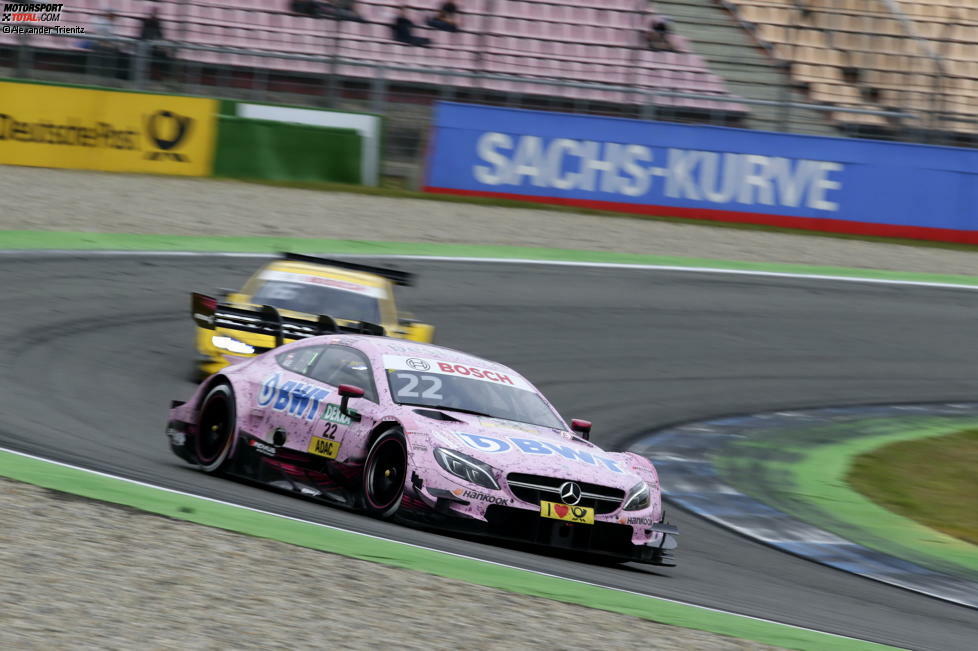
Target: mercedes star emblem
570, 493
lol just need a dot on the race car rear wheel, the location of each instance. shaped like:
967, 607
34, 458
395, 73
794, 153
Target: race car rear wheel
384, 473
215, 428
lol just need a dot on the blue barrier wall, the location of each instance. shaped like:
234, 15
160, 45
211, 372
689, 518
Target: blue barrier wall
832, 184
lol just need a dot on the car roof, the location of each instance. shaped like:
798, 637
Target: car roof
378, 346
327, 271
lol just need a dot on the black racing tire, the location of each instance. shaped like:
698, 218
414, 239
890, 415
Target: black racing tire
216, 425
384, 474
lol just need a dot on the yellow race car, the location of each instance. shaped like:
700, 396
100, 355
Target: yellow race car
309, 296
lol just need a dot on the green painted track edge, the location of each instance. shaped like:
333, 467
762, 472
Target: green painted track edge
42, 240
305, 534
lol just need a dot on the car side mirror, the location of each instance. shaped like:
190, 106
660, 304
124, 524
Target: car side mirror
582, 428
348, 391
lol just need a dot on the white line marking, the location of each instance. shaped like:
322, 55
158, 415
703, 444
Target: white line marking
407, 544
551, 263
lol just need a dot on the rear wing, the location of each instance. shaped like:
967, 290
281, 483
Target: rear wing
208, 313
396, 276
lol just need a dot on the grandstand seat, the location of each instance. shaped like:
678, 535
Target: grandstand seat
843, 49
572, 40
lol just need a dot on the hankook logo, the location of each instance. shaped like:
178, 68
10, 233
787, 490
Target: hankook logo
418, 364
168, 131
570, 493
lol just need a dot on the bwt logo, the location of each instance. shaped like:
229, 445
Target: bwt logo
168, 131
496, 445
32, 12
295, 398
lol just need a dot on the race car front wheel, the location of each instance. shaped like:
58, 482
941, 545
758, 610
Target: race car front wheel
384, 472
215, 428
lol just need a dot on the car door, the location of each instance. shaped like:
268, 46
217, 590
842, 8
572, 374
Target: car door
336, 435
289, 403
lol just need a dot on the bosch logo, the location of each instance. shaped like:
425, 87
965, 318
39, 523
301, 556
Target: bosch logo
570, 493
418, 364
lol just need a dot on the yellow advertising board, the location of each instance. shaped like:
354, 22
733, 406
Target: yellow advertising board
80, 128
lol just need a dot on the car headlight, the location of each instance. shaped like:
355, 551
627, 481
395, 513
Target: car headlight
231, 344
638, 497
464, 466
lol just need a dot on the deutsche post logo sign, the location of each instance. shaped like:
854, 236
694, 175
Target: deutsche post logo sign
79, 128
168, 131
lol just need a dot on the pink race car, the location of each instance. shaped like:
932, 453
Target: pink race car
426, 434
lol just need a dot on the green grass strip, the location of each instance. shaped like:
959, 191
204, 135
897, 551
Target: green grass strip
265, 525
820, 475
37, 240
929, 480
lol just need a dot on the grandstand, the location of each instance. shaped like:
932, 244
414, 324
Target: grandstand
919, 57
903, 69
538, 41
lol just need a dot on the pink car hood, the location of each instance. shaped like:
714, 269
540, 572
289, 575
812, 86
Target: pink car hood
517, 447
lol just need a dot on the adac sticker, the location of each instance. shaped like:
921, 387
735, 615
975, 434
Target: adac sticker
298, 399
497, 445
322, 447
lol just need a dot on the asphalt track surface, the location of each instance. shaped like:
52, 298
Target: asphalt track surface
94, 348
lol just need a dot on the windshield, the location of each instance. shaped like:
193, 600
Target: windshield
318, 299
467, 389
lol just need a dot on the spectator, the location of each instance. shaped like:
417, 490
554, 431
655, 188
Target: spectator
403, 28
447, 17
347, 10
658, 35
111, 59
338, 9
306, 8
152, 30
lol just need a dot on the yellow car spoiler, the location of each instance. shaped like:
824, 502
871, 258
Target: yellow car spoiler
396, 276
210, 314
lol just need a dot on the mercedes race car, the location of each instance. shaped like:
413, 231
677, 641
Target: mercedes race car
421, 433
303, 287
